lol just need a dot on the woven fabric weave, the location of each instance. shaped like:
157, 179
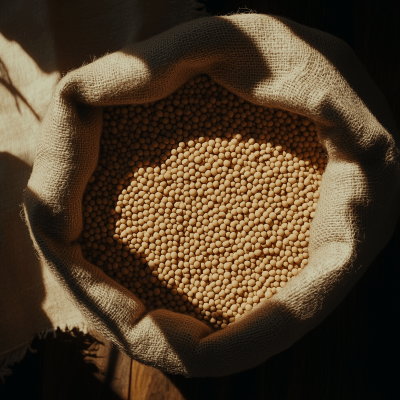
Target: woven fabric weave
268, 61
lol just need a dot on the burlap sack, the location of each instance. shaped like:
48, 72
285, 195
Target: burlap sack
266, 60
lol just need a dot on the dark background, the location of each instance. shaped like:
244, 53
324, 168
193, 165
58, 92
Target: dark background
353, 354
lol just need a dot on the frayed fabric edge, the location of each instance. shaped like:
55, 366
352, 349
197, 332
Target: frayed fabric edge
16, 355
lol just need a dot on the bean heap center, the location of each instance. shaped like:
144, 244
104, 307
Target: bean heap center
201, 203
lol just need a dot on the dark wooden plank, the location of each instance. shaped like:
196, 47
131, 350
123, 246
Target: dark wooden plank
148, 383
113, 371
116, 383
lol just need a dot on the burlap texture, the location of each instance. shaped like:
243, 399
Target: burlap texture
268, 61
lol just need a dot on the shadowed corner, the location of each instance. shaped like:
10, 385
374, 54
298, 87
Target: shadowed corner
48, 31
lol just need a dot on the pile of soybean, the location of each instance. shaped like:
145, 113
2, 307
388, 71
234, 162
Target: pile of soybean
201, 203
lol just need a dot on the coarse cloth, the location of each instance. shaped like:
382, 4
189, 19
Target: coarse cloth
268, 61
40, 41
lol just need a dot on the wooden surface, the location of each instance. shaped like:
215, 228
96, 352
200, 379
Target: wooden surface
351, 355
